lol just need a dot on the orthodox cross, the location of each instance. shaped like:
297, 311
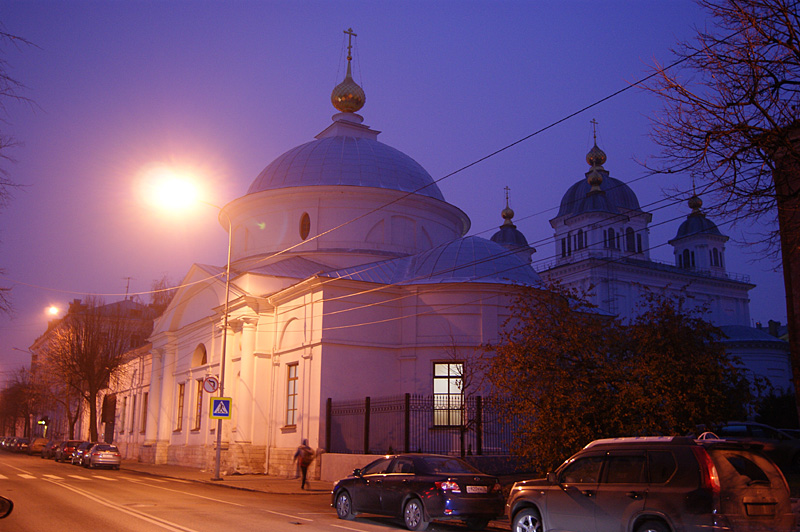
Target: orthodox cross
594, 129
350, 36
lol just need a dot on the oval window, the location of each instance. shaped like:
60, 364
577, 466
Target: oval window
305, 225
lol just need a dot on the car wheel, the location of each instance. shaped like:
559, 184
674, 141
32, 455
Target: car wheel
527, 520
477, 523
414, 515
652, 526
344, 506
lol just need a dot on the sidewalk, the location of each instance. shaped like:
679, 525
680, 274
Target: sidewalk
253, 482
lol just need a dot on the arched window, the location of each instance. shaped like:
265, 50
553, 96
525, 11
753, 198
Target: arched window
613, 243
686, 258
563, 247
200, 356
581, 236
630, 240
638, 243
715, 262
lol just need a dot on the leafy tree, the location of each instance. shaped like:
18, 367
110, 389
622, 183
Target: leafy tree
571, 374
730, 119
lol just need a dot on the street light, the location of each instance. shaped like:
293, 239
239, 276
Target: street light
173, 191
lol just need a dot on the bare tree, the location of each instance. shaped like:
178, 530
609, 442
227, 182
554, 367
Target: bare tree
730, 119
10, 90
90, 346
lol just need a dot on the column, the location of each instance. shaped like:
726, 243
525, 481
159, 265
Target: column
151, 427
245, 396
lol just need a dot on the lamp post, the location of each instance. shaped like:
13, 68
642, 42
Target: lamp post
224, 342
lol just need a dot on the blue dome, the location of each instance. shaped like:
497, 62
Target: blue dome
346, 161
697, 224
511, 237
615, 197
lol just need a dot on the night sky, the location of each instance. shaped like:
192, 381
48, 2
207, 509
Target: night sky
220, 89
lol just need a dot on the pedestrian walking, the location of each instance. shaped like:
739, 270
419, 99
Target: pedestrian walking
304, 456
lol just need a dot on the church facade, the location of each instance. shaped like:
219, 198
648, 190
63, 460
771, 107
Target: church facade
351, 276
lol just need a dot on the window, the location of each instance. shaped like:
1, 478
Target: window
133, 414
583, 471
291, 395
378, 467
122, 415
611, 239
581, 239
661, 466
686, 259
143, 428
198, 406
448, 393
625, 469
638, 243
305, 226
179, 409
715, 260
563, 247
630, 240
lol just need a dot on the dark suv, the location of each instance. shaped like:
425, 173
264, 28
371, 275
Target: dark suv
656, 484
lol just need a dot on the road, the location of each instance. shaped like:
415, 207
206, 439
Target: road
55, 496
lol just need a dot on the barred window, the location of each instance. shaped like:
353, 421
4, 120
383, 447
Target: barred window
448, 393
145, 396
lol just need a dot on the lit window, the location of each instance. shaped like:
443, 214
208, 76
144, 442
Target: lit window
291, 394
448, 393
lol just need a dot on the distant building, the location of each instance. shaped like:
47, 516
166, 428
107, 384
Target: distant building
602, 243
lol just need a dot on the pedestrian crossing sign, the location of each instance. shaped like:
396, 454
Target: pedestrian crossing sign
220, 408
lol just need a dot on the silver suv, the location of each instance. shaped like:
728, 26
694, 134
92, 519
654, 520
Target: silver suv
656, 484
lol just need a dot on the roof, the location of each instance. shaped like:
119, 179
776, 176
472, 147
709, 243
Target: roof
464, 260
696, 223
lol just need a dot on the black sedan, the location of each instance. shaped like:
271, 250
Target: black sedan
419, 488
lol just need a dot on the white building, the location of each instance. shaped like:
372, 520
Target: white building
351, 277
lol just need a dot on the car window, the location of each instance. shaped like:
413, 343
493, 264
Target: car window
745, 467
625, 469
377, 467
444, 464
661, 466
582, 471
402, 465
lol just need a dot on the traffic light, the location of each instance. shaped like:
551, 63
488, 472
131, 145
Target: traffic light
45, 420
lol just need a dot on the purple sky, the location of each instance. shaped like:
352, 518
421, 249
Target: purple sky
223, 88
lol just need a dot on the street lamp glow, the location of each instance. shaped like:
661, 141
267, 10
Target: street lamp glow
168, 188
52, 310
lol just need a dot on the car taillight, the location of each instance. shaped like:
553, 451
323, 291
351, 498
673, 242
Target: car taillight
709, 478
448, 485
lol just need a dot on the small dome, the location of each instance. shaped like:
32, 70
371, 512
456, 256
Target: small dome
596, 156
616, 197
348, 96
346, 161
695, 224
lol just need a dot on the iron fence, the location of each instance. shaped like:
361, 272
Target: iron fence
416, 423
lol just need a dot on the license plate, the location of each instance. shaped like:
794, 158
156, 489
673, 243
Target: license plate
477, 489
760, 509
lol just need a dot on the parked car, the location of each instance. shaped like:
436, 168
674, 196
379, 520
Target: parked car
64, 451
21, 445
103, 455
49, 450
36, 446
656, 484
419, 488
79, 454
782, 448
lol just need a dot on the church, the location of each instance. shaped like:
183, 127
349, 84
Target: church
351, 276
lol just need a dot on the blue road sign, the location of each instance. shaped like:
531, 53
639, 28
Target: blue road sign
220, 408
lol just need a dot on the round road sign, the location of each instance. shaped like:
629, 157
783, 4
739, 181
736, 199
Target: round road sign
211, 384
